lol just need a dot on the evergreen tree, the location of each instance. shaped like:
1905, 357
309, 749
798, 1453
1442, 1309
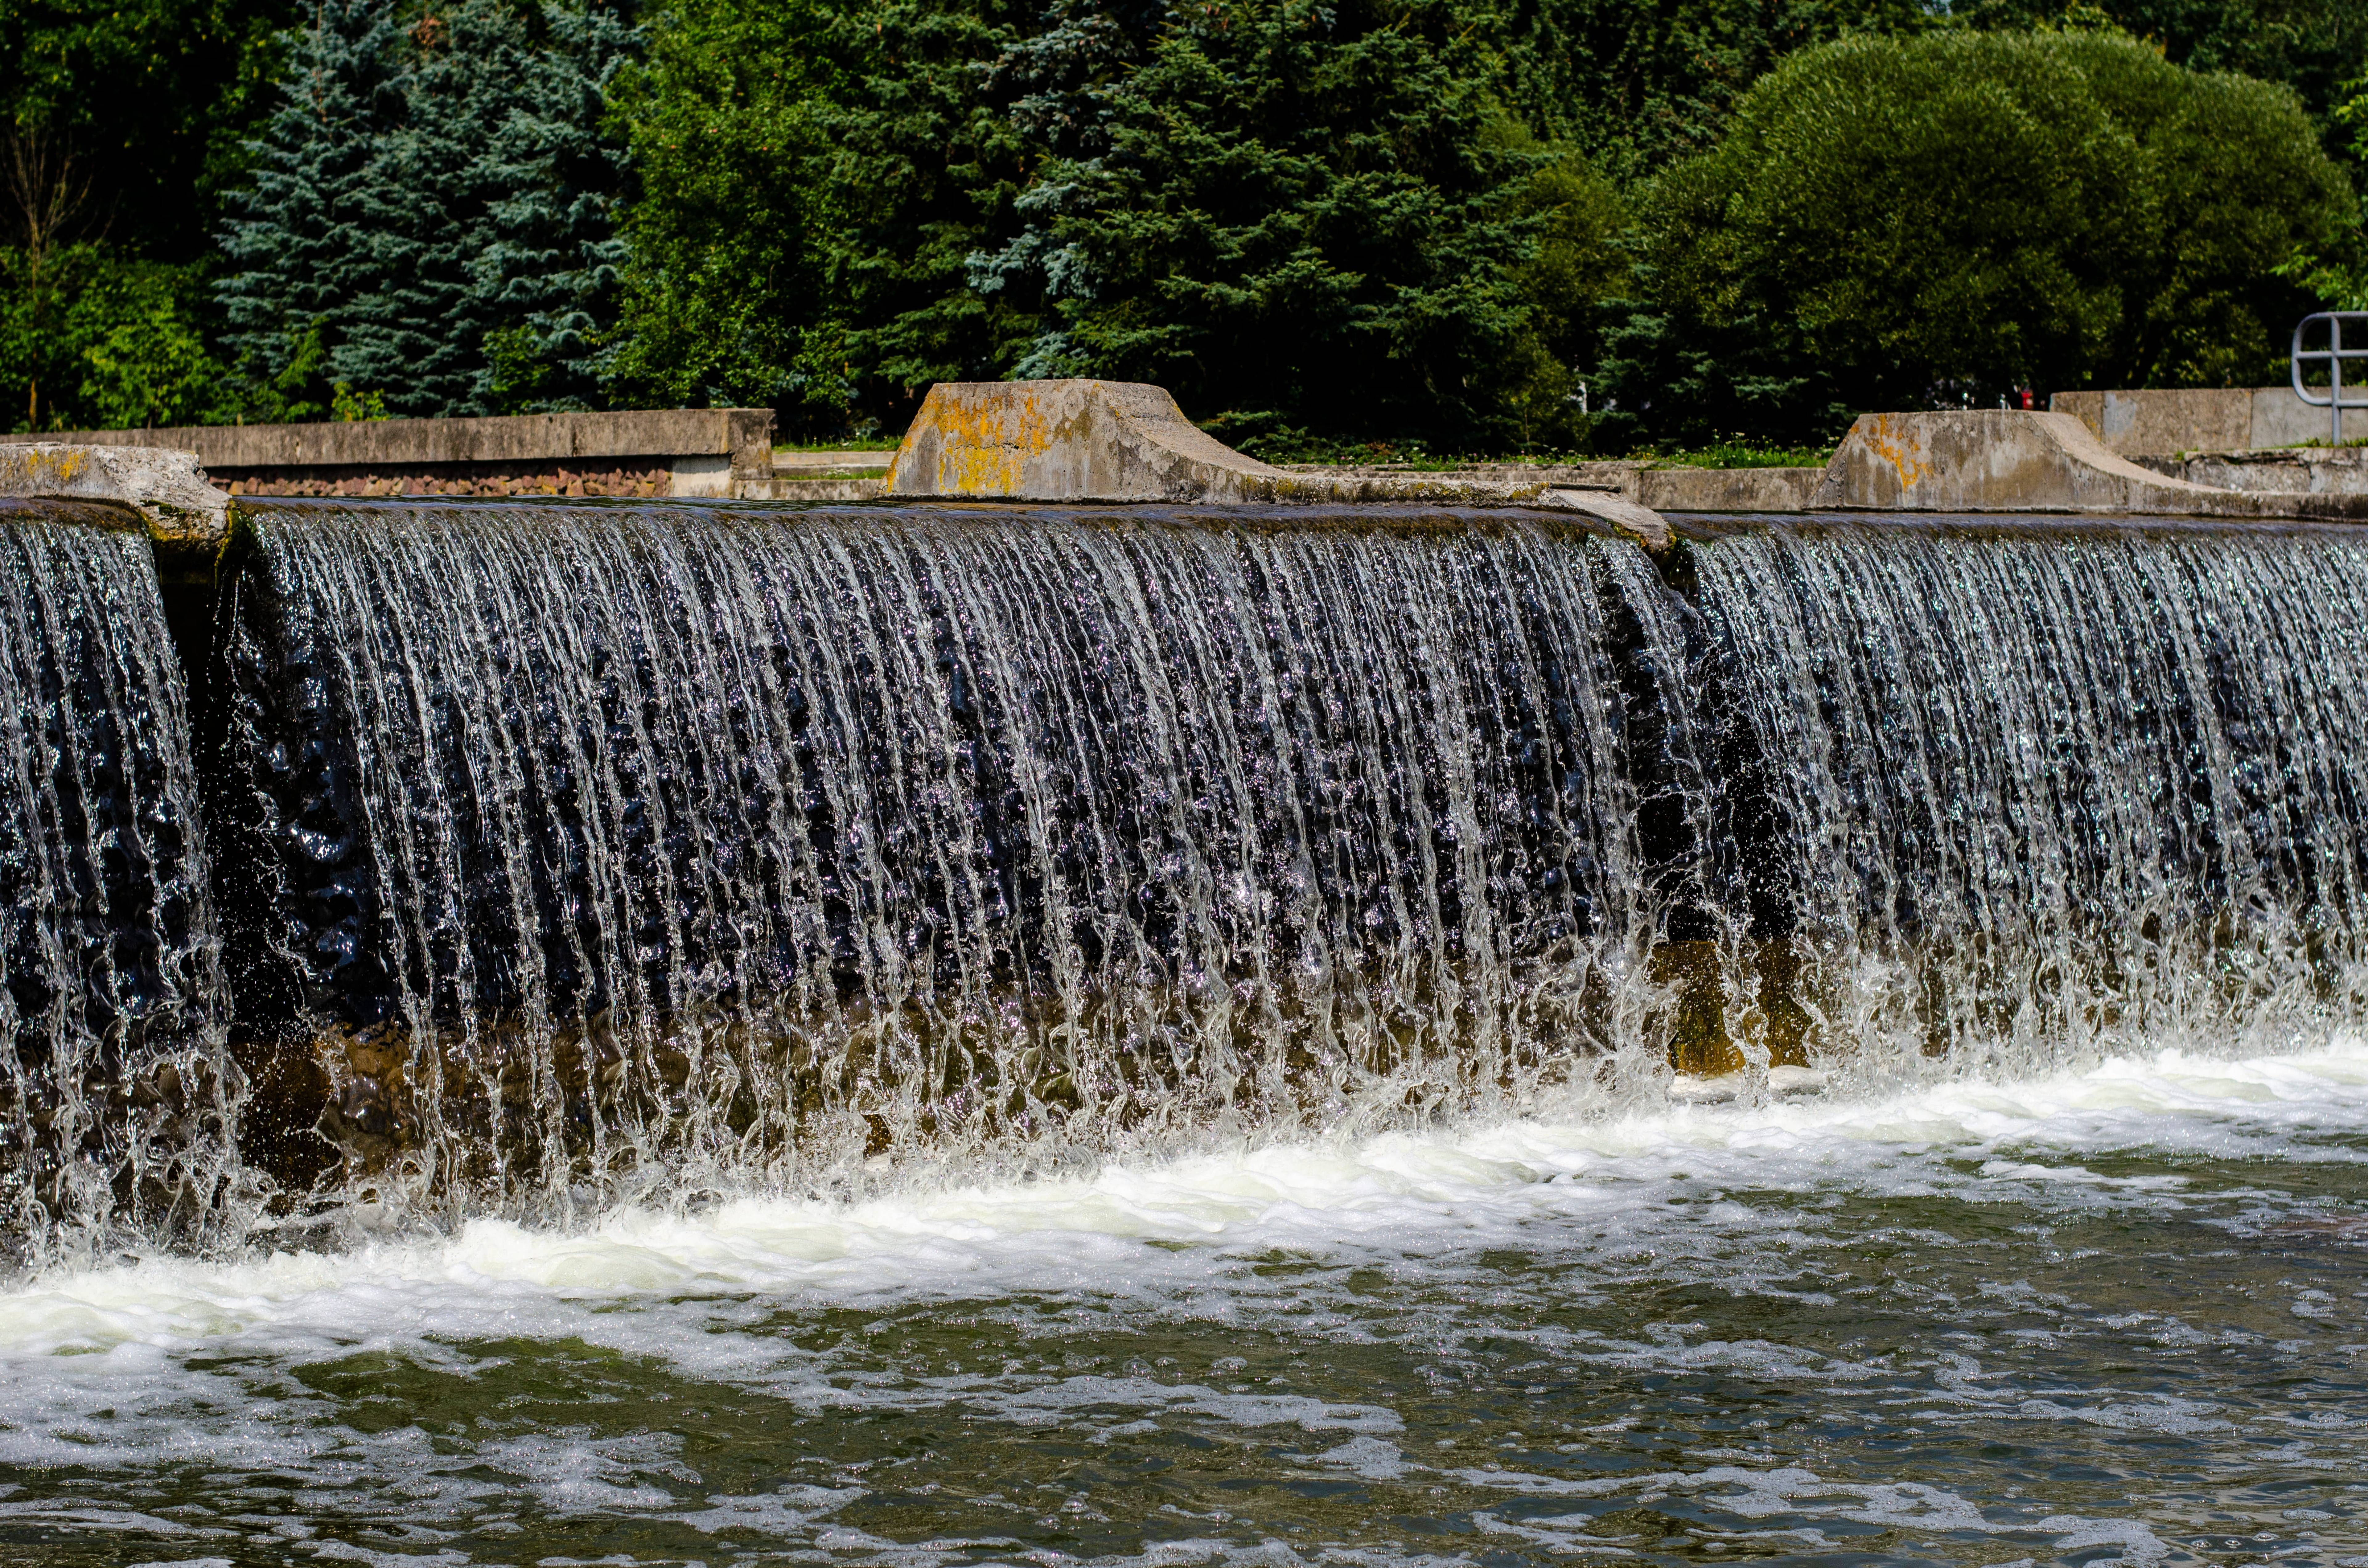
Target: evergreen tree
304, 247
431, 221
557, 174
1312, 211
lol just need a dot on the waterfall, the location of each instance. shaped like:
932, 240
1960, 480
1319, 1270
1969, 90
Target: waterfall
116, 1087
621, 843
2026, 791
585, 853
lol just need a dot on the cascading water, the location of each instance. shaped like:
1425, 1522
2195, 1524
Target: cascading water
116, 1091
614, 851
2023, 792
645, 846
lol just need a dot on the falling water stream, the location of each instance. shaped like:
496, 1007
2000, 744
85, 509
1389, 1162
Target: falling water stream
960, 1034
114, 1074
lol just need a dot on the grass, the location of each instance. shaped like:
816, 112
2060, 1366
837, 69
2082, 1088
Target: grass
1738, 454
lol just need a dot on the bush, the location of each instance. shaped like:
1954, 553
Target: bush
1907, 222
92, 339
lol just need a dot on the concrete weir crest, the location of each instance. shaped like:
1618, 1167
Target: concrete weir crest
165, 487
1091, 441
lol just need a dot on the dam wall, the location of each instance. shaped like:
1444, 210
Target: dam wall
2171, 422
430, 858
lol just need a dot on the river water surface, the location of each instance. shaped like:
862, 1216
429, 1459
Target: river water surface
2113, 1315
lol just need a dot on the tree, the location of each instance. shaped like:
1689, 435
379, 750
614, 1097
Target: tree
142, 104
2311, 45
814, 178
2335, 271
1635, 84
1895, 222
723, 282
1316, 211
91, 339
432, 214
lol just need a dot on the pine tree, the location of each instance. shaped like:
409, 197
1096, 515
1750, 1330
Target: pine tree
432, 222
1287, 208
304, 247
553, 274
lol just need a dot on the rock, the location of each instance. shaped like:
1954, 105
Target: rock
165, 487
1642, 524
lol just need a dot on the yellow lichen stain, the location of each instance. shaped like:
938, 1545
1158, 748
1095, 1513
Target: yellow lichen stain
984, 446
1900, 449
56, 468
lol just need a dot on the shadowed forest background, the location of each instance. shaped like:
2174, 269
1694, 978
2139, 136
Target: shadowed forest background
1437, 224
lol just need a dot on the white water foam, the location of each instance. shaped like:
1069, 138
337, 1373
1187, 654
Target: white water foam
1134, 1228
175, 1365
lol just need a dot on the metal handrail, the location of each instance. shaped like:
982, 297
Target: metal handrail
2335, 354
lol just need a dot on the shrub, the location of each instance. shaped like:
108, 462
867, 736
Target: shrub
94, 339
1904, 222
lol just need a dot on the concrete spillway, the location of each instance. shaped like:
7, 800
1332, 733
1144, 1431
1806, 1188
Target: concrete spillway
498, 856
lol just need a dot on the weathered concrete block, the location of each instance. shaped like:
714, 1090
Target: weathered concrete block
1091, 440
167, 488
1072, 440
2282, 419
2167, 420
703, 450
1727, 489
1985, 460
2164, 421
2291, 470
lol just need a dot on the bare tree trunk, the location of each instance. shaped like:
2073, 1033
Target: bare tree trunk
49, 195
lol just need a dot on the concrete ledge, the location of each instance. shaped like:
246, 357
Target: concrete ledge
792, 488
167, 488
700, 451
1092, 441
2290, 470
1726, 489
2163, 421
1981, 460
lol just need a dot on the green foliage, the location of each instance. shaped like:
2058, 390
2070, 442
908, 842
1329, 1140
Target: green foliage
724, 281
2335, 270
1317, 210
432, 208
132, 111
2312, 46
929, 159
814, 178
91, 339
1907, 222
1635, 84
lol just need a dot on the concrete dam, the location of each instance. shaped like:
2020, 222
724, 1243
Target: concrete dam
1099, 791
